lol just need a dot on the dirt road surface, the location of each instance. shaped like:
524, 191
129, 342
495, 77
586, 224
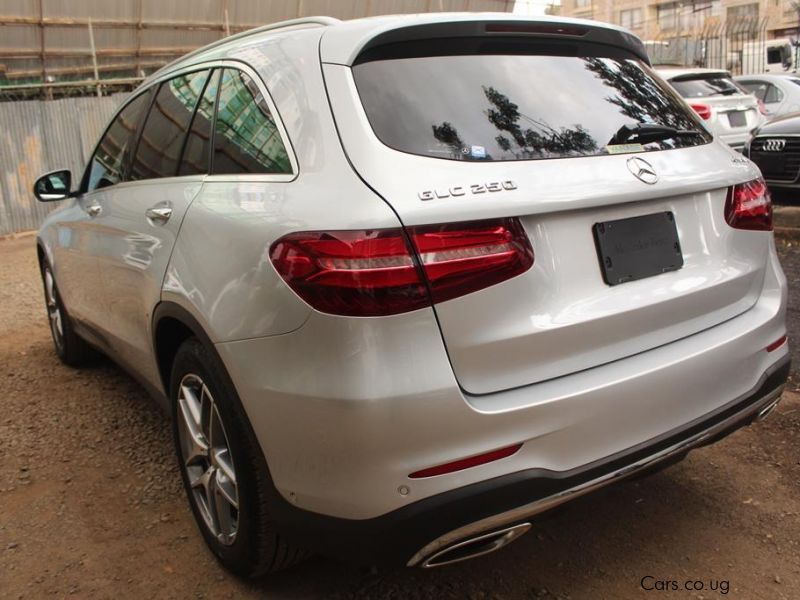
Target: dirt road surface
90, 503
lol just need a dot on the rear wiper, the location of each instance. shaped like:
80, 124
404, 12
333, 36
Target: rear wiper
648, 132
728, 92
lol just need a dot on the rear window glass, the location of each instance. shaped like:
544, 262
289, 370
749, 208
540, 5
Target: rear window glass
516, 105
702, 86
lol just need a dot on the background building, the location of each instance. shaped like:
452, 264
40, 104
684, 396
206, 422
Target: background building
659, 19
52, 48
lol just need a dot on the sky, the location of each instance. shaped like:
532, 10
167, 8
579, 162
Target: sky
532, 7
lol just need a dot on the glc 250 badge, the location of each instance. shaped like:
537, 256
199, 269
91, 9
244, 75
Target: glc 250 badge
475, 188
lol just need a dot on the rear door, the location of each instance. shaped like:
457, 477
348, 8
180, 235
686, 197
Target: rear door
529, 128
140, 219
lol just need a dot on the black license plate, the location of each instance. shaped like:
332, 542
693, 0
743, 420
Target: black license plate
737, 118
638, 247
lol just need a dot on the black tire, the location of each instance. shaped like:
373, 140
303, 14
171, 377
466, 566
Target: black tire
257, 549
70, 347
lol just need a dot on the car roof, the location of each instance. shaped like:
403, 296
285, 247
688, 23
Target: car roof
673, 72
343, 41
768, 77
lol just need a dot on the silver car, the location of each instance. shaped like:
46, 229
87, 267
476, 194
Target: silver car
779, 93
404, 283
727, 109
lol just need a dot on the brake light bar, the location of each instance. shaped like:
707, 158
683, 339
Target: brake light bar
749, 206
466, 463
538, 29
388, 271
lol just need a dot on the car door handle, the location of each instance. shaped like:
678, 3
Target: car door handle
93, 210
159, 214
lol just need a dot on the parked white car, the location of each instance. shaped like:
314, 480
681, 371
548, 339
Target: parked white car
404, 283
728, 110
779, 93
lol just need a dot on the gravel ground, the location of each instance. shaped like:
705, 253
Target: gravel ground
90, 502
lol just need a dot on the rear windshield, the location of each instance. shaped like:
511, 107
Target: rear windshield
552, 103
703, 86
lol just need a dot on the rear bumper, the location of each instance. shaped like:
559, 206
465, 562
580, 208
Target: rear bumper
418, 530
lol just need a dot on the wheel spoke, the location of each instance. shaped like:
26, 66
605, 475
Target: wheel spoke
196, 446
227, 487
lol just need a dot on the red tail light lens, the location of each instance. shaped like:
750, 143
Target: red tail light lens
375, 272
749, 206
703, 110
465, 257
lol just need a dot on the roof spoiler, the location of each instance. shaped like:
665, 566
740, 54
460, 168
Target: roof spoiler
345, 49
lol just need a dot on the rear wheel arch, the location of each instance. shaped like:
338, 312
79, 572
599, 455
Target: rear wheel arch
173, 325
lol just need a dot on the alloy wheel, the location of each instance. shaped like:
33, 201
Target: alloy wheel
53, 308
207, 459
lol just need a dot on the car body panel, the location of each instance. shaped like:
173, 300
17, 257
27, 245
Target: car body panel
723, 108
560, 317
365, 427
786, 102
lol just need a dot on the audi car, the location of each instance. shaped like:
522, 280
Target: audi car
397, 302
775, 148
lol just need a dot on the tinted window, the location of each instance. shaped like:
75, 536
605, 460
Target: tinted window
246, 138
515, 106
106, 166
773, 95
759, 90
160, 144
701, 86
198, 144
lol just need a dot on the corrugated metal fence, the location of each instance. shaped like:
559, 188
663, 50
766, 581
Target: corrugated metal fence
38, 136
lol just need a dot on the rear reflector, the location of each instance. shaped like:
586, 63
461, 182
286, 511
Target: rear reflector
703, 110
777, 343
749, 206
466, 463
376, 272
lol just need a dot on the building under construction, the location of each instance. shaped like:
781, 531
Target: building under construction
57, 48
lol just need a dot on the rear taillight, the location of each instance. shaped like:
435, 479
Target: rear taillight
376, 272
465, 257
749, 206
703, 110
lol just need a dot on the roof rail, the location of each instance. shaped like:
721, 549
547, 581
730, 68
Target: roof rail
300, 22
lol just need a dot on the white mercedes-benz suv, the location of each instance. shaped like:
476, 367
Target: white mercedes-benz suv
404, 283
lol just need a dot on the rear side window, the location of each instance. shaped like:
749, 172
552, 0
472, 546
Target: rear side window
107, 163
703, 86
161, 142
520, 101
246, 137
758, 89
198, 145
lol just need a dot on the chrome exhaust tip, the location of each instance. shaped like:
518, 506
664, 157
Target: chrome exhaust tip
772, 402
765, 412
475, 546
